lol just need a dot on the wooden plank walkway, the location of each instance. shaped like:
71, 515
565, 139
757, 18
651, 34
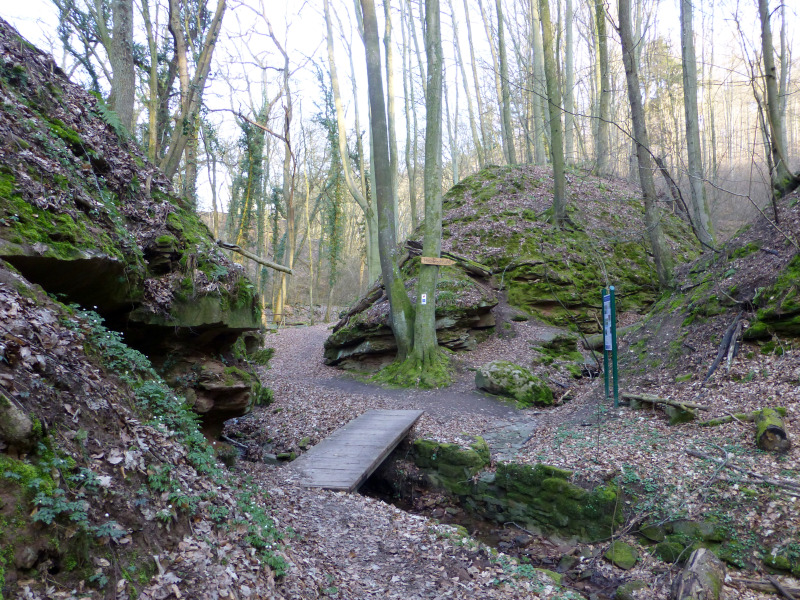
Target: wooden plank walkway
345, 459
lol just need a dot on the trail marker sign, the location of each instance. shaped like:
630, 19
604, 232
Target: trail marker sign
610, 342
435, 260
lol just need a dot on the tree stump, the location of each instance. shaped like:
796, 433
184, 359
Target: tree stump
701, 579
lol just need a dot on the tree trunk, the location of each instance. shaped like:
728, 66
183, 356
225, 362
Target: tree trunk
152, 101
497, 85
554, 99
541, 114
700, 213
401, 312
485, 129
661, 252
450, 137
604, 117
123, 82
191, 91
783, 180
373, 265
476, 140
387, 44
408, 96
770, 431
426, 352
505, 90
569, 84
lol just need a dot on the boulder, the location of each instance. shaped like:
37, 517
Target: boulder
621, 555
364, 339
505, 378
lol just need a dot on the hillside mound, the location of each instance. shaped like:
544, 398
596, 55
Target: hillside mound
84, 215
496, 226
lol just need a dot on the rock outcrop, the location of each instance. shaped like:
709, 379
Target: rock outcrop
84, 215
497, 223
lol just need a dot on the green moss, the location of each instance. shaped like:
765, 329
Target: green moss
416, 372
261, 356
234, 375
622, 555
27, 475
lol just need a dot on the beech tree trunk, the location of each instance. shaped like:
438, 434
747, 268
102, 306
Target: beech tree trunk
661, 252
541, 114
783, 180
409, 99
387, 44
569, 84
123, 81
401, 312
486, 136
370, 217
700, 213
425, 352
505, 91
476, 140
554, 104
604, 93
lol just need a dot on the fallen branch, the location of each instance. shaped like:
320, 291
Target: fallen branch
768, 587
784, 592
740, 417
368, 299
723, 346
678, 412
255, 257
656, 400
782, 484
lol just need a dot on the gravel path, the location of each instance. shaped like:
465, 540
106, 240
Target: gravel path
312, 400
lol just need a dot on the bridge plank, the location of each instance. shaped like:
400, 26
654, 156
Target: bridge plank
345, 459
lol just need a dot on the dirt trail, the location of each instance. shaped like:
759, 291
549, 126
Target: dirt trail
354, 547
312, 399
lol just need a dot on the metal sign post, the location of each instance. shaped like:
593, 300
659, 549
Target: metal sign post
610, 343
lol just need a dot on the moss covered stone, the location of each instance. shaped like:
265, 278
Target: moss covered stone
778, 306
670, 551
627, 590
505, 378
622, 555
539, 496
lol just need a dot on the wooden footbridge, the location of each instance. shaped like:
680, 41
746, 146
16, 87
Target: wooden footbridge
345, 459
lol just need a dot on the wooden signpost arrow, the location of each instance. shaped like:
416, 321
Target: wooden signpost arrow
434, 260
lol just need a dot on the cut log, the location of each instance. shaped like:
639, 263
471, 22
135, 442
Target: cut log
770, 431
701, 579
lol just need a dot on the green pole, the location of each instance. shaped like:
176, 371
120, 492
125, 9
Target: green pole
605, 353
614, 346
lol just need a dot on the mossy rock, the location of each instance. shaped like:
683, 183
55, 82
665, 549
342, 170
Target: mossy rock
505, 378
784, 559
622, 555
653, 533
670, 551
626, 590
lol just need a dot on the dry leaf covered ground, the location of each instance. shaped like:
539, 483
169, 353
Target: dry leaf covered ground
359, 547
